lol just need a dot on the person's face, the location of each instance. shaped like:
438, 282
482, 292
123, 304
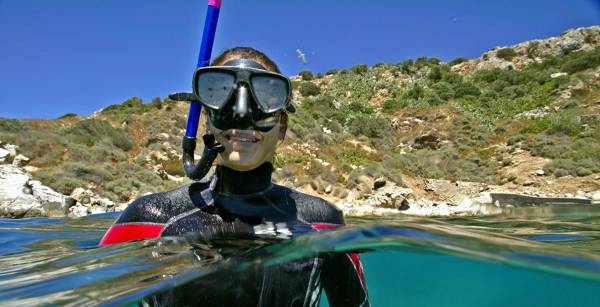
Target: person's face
247, 149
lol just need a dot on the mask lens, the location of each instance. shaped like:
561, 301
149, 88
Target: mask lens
271, 92
214, 87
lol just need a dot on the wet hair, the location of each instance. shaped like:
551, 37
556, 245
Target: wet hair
246, 53
249, 53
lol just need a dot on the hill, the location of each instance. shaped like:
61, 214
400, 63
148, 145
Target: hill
522, 118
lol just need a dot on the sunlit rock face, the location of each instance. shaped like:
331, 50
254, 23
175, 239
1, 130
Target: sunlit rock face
22, 197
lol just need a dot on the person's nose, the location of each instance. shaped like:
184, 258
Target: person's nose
240, 109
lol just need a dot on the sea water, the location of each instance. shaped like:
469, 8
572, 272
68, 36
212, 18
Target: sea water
541, 256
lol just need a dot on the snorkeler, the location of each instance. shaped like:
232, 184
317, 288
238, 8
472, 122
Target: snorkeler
247, 102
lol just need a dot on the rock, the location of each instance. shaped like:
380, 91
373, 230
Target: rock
528, 183
78, 210
453, 192
22, 197
596, 196
558, 74
162, 137
54, 203
580, 194
12, 150
540, 172
91, 202
388, 197
404, 205
429, 140
20, 160
328, 189
4, 155
379, 183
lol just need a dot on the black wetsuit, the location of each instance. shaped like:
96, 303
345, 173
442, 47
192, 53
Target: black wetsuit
240, 204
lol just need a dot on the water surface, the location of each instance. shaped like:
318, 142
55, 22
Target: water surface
524, 256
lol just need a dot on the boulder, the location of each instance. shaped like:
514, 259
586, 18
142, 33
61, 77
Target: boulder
4, 155
54, 203
88, 202
431, 140
20, 160
379, 183
454, 192
22, 197
389, 197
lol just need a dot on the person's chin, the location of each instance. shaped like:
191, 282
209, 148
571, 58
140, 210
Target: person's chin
243, 165
241, 161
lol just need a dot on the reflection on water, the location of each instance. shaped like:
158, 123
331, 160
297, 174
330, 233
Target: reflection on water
524, 256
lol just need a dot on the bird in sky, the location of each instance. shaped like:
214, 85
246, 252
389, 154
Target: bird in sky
301, 56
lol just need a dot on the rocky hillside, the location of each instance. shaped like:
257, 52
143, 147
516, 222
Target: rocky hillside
421, 134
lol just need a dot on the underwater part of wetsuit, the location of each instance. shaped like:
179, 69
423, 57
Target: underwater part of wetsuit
240, 204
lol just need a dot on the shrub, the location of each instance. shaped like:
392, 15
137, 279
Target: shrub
435, 74
351, 87
359, 69
369, 125
352, 156
391, 105
536, 125
564, 123
589, 37
506, 53
11, 125
331, 72
91, 131
466, 88
58, 180
532, 49
416, 92
407, 66
306, 75
583, 61
457, 61
68, 115
309, 89
444, 90
443, 163
358, 107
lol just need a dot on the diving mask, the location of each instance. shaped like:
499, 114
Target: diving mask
242, 94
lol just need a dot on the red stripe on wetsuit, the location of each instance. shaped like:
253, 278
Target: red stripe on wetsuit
353, 256
131, 231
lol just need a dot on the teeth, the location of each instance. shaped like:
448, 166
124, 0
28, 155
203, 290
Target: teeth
241, 139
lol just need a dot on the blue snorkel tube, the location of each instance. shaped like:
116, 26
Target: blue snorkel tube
211, 147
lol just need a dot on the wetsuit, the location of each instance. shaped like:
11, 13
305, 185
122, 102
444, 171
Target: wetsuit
237, 203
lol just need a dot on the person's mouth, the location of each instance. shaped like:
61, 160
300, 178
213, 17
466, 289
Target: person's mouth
241, 136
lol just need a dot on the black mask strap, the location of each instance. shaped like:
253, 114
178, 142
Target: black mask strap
244, 63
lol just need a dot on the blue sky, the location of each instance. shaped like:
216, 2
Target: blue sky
78, 56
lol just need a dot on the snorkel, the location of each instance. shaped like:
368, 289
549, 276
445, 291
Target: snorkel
211, 147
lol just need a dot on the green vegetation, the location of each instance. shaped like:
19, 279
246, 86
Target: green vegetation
352, 123
306, 75
457, 61
506, 53
309, 89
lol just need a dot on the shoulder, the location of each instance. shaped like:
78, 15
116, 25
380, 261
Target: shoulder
314, 209
160, 207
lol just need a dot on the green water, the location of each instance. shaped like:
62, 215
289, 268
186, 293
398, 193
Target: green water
523, 257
